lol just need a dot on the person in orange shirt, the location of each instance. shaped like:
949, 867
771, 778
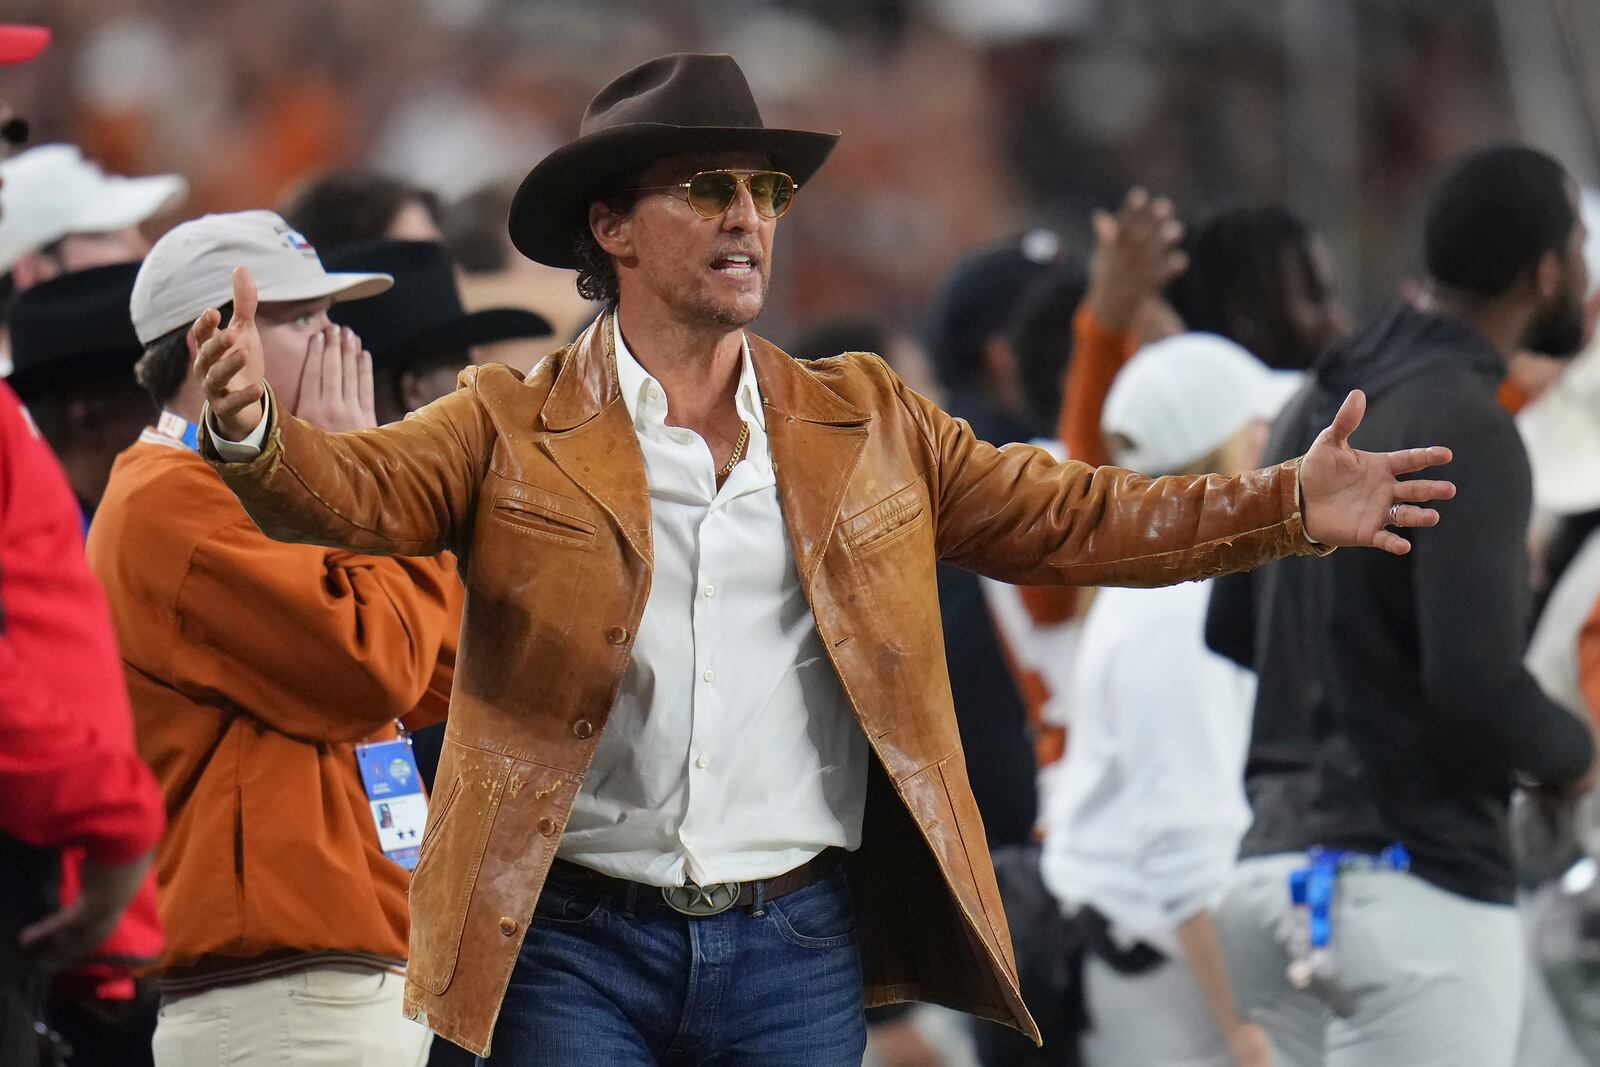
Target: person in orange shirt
257, 670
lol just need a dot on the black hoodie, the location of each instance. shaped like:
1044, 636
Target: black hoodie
1393, 704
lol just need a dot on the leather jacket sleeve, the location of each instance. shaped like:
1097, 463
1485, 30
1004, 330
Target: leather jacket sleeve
1018, 515
408, 488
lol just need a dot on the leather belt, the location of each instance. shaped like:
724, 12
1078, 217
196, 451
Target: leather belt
699, 901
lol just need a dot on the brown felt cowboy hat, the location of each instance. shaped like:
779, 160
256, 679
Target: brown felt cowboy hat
672, 104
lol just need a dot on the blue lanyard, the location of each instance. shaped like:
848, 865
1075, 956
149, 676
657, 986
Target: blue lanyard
177, 428
1311, 886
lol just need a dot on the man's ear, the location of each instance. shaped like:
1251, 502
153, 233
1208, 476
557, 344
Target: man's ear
610, 230
1549, 276
410, 390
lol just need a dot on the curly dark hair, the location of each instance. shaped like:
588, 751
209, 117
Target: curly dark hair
597, 274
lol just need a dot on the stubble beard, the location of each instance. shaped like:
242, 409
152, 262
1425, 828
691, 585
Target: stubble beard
727, 316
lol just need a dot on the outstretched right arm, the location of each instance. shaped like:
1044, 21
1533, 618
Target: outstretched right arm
404, 489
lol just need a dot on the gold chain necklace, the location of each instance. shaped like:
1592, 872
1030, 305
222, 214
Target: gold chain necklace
738, 450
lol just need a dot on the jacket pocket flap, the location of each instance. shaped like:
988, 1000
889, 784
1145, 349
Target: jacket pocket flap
878, 524
541, 510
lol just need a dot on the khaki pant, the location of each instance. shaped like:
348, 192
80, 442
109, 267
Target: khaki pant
1415, 976
321, 1017
1159, 1017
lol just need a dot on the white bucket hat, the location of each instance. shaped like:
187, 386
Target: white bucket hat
191, 269
51, 192
1182, 398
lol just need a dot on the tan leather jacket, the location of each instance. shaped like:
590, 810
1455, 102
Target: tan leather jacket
538, 485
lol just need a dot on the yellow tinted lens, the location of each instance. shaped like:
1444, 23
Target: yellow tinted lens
772, 191
710, 194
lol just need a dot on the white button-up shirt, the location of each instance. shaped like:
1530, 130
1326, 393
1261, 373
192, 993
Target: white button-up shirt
731, 753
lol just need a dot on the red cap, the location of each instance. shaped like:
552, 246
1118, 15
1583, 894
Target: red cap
18, 44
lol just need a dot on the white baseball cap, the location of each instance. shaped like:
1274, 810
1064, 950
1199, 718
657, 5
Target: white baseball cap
1182, 398
191, 269
51, 192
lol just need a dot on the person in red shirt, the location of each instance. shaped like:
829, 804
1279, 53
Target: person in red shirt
71, 784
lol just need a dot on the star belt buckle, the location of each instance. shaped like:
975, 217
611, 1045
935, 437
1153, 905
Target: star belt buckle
700, 901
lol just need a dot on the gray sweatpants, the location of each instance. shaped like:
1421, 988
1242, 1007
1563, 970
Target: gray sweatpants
1414, 976
1159, 1017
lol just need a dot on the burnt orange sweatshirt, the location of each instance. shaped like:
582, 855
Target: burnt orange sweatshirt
255, 668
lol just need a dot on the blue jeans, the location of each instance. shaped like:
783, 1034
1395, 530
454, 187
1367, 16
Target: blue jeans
611, 981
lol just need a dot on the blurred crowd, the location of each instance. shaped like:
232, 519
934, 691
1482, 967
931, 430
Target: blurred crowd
1095, 229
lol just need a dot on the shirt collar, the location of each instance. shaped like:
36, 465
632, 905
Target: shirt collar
635, 383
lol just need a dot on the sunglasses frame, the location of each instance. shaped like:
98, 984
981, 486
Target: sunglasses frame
740, 177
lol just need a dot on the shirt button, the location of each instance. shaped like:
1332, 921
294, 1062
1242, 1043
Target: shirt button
703, 762
710, 676
508, 925
710, 590
617, 634
547, 826
655, 393
582, 729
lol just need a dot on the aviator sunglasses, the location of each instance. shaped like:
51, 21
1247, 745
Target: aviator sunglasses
711, 192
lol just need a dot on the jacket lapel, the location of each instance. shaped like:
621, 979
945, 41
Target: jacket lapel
817, 440
591, 438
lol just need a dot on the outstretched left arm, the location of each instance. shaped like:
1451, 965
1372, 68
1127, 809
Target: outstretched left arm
1018, 515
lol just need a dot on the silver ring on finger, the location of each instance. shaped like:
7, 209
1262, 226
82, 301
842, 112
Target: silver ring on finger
1394, 514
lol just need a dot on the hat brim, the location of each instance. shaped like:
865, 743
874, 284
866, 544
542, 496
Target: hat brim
484, 327
340, 286
63, 374
552, 204
124, 202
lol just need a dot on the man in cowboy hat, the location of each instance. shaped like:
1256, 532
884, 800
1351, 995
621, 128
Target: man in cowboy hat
73, 351
700, 720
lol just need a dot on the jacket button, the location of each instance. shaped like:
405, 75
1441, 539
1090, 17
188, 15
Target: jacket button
617, 634
582, 729
547, 826
508, 925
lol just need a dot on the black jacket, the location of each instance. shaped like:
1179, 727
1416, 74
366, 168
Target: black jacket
1393, 703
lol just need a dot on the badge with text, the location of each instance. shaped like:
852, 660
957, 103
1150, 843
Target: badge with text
394, 789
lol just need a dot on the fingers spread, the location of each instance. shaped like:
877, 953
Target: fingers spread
1349, 417
244, 295
237, 400
1424, 490
1416, 459
1408, 515
221, 372
1391, 543
1105, 228
205, 327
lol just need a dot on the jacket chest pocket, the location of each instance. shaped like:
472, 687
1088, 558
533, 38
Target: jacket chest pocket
528, 510
890, 546
887, 522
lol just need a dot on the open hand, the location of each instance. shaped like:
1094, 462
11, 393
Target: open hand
229, 362
336, 382
1351, 497
1136, 254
